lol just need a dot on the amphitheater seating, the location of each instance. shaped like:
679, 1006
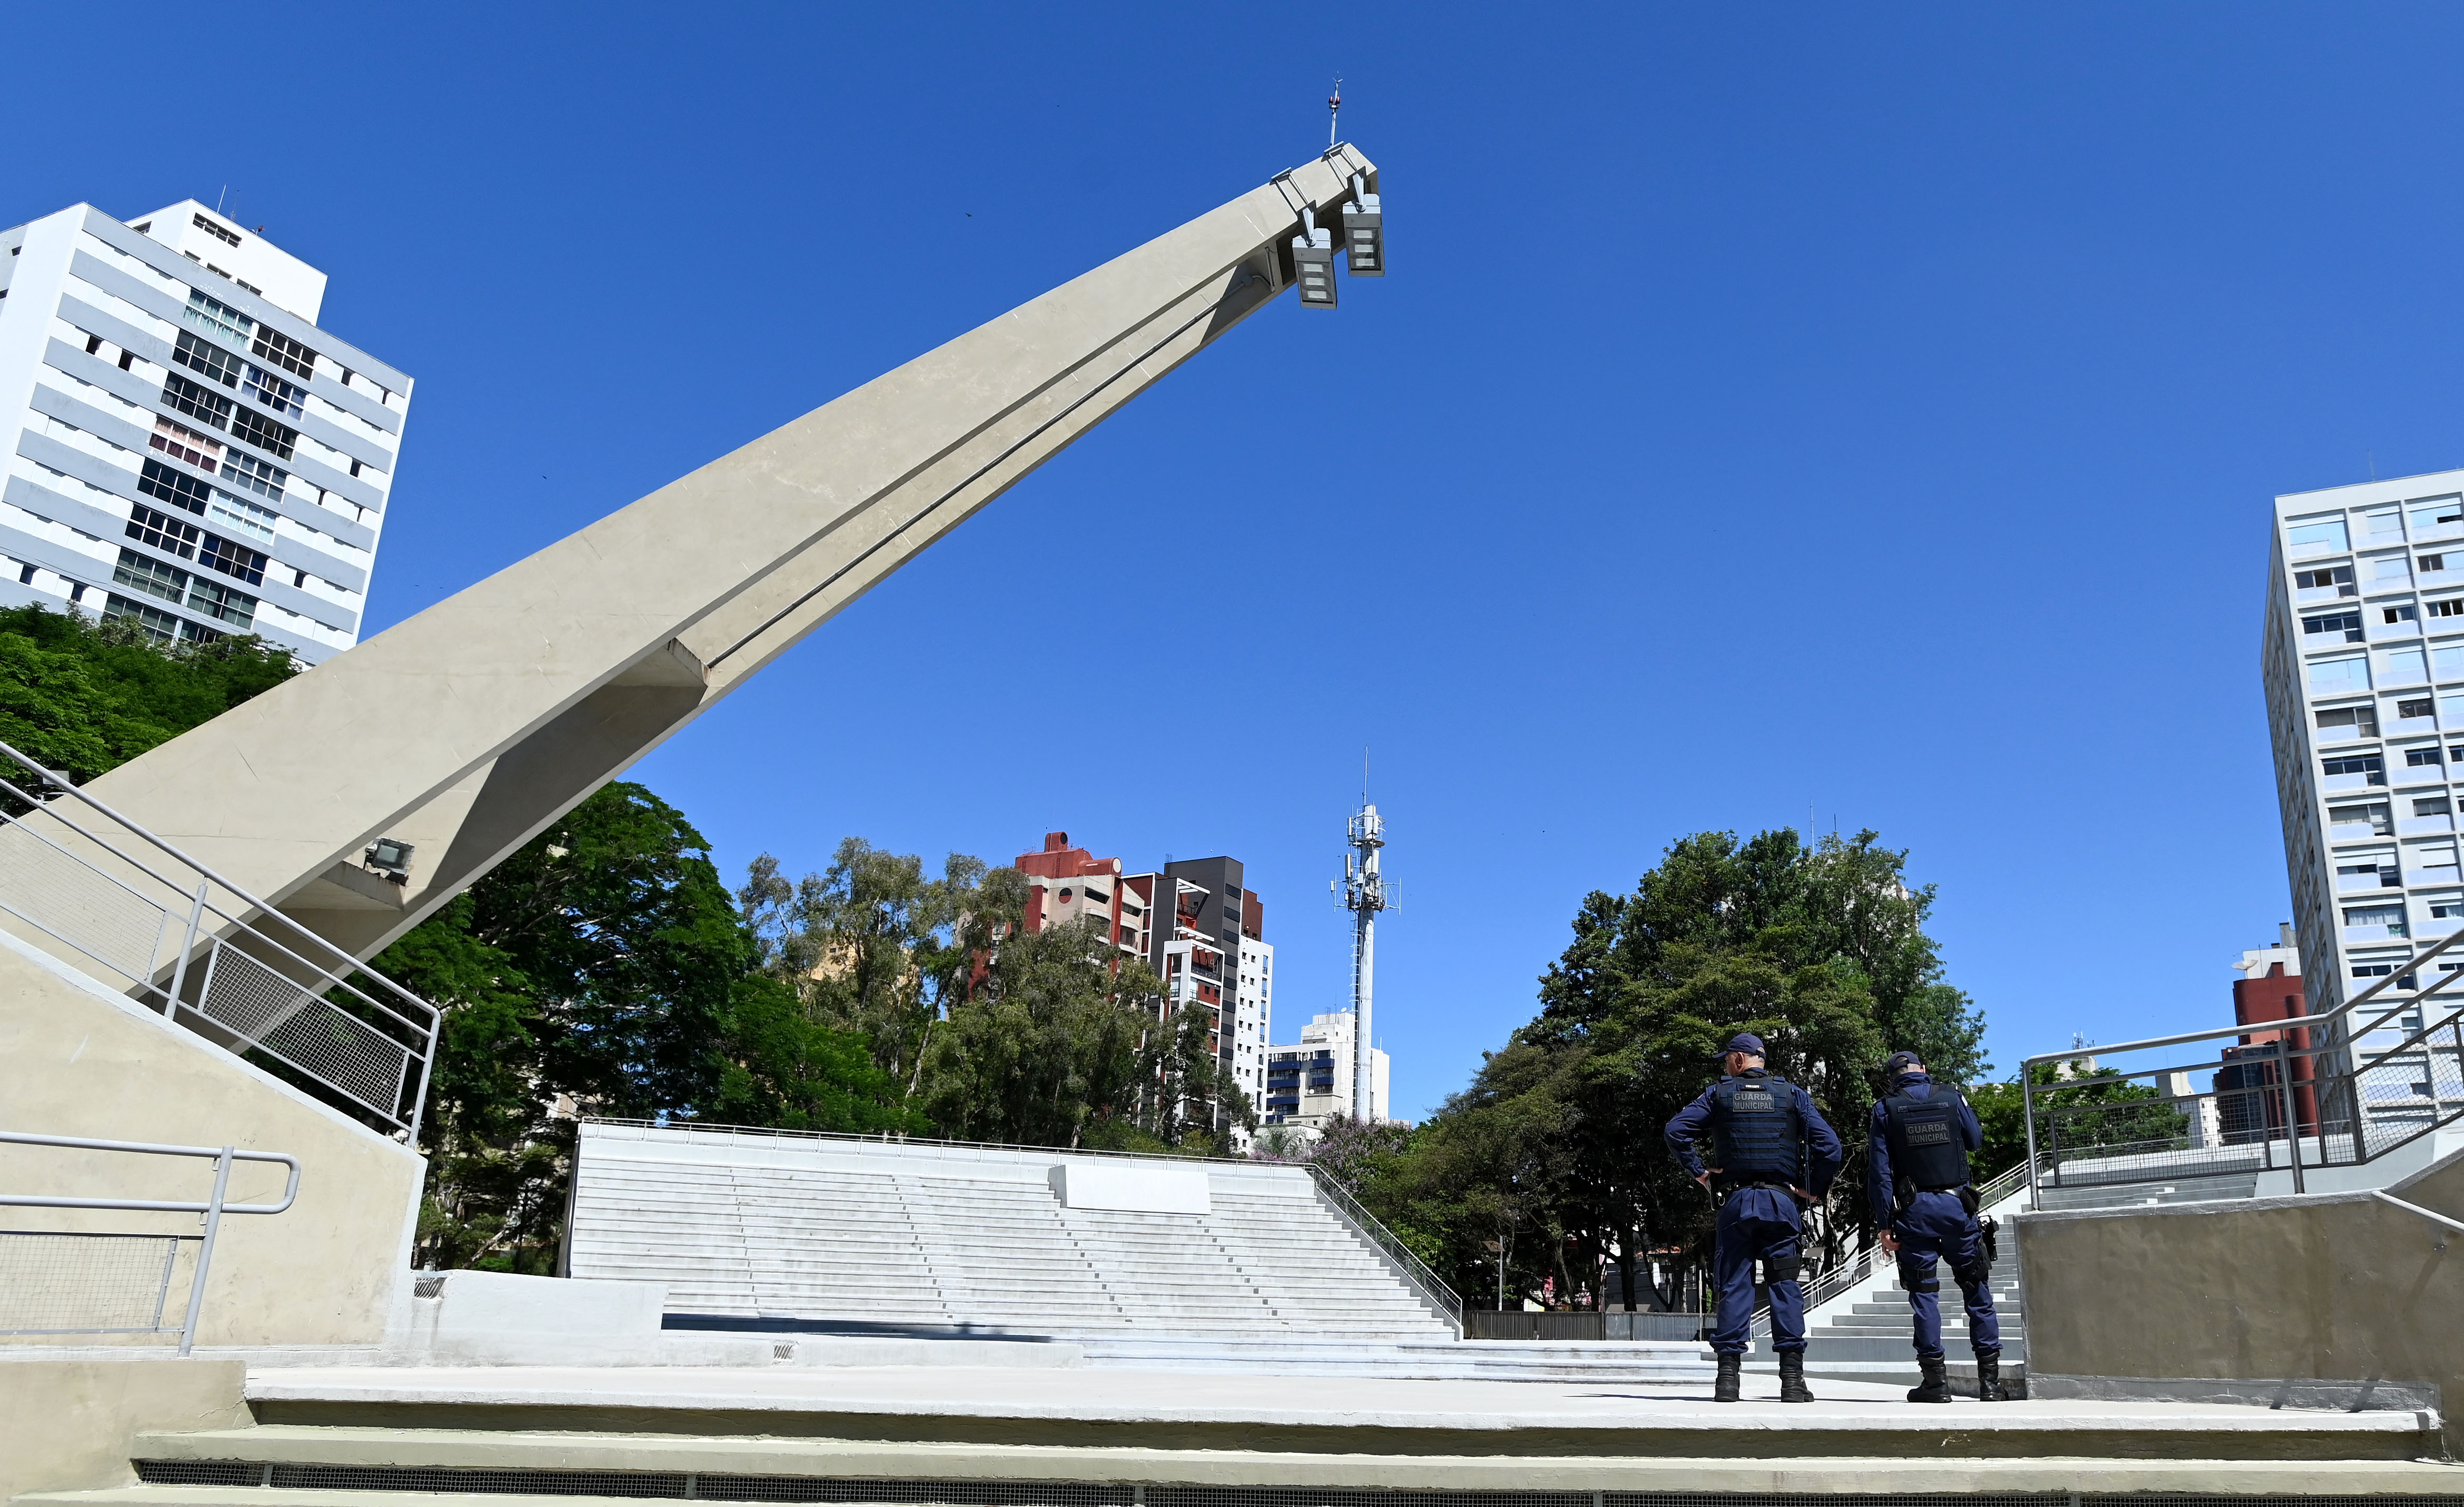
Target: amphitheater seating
851, 1232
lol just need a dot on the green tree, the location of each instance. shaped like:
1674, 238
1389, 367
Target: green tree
81, 696
603, 969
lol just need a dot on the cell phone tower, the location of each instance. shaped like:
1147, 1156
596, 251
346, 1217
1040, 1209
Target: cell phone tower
1364, 895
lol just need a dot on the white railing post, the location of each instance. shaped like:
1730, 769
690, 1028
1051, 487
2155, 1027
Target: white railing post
187, 946
206, 1249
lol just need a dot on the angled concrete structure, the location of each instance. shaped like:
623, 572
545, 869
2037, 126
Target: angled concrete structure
468, 728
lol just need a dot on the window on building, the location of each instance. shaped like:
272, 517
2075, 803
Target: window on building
2348, 721
159, 626
2438, 511
2431, 806
2373, 814
2312, 538
2415, 706
2371, 764
2444, 909
93, 343
2370, 971
2401, 664
241, 514
178, 488
218, 232
183, 443
273, 393
151, 576
215, 600
214, 318
2383, 525
284, 352
2400, 614
2391, 917
232, 558
207, 359
163, 532
2417, 757
198, 403
265, 434
262, 478
2331, 627
2452, 606
2390, 567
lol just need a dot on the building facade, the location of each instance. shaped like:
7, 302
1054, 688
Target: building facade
2363, 664
1311, 1081
1194, 923
187, 449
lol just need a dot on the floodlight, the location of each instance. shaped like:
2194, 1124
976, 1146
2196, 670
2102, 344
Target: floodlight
390, 856
1313, 264
1364, 231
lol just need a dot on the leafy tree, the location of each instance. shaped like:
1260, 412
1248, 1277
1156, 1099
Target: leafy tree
1185, 1092
1556, 1149
1051, 1038
603, 969
82, 697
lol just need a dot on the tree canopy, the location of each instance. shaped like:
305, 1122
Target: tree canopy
82, 695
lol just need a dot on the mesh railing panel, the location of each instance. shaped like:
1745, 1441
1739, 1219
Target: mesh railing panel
304, 1029
54, 1283
78, 904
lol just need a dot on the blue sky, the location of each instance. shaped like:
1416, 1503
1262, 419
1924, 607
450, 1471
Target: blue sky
1864, 409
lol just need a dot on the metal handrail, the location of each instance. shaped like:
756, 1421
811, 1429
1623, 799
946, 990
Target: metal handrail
1432, 1288
359, 1042
2430, 1214
213, 1207
1859, 1263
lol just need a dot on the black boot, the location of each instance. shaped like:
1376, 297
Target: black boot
1792, 1377
1725, 1389
1988, 1377
1936, 1386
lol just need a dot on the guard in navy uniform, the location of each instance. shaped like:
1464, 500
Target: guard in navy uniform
1926, 1209
1776, 1154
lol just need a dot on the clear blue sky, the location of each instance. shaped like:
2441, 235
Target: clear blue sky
1869, 409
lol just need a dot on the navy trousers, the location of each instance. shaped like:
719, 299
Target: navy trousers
1754, 1224
1938, 1225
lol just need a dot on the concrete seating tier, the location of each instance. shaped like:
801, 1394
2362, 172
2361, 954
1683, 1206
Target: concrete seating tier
775, 1228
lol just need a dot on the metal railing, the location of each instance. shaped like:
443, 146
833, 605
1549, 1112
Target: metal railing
2325, 1090
111, 898
1860, 1264
55, 1271
1411, 1269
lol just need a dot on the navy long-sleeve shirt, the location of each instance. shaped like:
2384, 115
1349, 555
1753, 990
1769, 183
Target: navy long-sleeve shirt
1882, 1182
1693, 1123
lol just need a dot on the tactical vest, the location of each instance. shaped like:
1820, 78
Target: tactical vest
1927, 1153
1757, 1132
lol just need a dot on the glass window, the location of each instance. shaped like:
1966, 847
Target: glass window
215, 600
2332, 626
262, 478
285, 352
241, 514
2332, 576
2430, 805
163, 532
2414, 706
2453, 607
2438, 511
2431, 563
2313, 537
211, 317
179, 442
160, 626
273, 391
2373, 814
2371, 764
178, 488
248, 424
2407, 664
209, 360
198, 403
149, 575
232, 558
2399, 614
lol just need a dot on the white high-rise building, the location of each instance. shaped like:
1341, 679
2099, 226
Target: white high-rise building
2364, 663
187, 449
1311, 1080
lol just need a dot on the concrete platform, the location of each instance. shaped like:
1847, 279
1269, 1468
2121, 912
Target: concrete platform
1082, 1410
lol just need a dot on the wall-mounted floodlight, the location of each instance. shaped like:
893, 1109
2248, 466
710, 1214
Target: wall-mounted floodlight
1364, 231
1314, 263
390, 856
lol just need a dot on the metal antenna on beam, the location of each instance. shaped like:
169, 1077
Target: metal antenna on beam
1333, 109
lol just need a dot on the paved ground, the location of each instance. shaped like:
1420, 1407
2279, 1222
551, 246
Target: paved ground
1132, 1397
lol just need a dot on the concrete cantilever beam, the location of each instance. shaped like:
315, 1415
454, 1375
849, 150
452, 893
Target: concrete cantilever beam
468, 728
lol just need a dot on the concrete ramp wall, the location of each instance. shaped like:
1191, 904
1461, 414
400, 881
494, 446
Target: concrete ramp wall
757, 1226
2333, 1300
82, 1061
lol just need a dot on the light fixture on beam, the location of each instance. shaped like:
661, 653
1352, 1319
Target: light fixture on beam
1364, 231
390, 856
1314, 263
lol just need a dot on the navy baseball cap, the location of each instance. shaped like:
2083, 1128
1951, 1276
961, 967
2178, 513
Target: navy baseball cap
1898, 1062
1744, 1041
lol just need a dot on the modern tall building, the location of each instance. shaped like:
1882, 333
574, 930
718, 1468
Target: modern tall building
1311, 1081
1193, 922
187, 449
2363, 661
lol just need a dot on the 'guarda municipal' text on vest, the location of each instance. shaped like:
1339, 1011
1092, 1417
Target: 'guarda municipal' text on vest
1758, 1133
1926, 1152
